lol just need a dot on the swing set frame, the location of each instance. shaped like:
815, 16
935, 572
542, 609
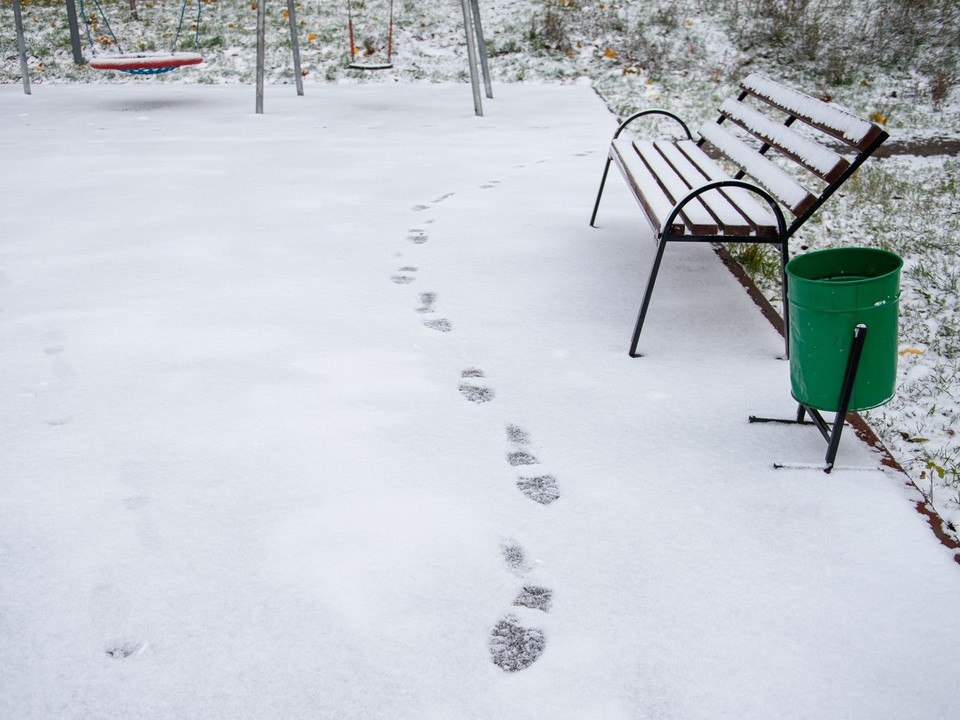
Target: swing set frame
473, 32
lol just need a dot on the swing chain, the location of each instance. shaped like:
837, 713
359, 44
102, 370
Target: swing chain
116, 42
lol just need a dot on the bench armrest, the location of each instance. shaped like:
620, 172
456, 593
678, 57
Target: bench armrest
654, 111
756, 189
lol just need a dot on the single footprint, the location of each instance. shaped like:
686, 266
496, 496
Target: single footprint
420, 208
514, 647
519, 457
404, 278
124, 649
515, 558
418, 237
517, 435
489, 184
427, 299
534, 597
442, 198
542, 489
441, 324
476, 393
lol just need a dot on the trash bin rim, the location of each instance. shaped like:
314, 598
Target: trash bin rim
813, 255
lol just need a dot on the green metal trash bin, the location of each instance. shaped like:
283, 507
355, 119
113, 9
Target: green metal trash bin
829, 293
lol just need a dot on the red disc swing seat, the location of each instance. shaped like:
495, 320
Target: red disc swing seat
146, 63
143, 63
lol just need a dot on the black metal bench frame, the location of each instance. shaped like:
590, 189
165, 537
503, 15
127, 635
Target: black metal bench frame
686, 197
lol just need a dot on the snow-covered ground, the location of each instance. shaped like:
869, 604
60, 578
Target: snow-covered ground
679, 54
328, 413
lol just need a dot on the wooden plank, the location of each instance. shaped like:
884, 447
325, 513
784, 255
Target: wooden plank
730, 220
826, 117
694, 213
821, 161
643, 185
757, 213
771, 177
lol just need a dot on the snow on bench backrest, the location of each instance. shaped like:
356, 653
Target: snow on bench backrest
773, 178
815, 157
823, 116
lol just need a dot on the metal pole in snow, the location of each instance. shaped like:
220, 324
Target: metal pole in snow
74, 32
261, 25
295, 45
482, 44
472, 56
21, 46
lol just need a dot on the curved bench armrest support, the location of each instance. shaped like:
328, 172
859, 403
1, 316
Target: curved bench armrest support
756, 189
654, 111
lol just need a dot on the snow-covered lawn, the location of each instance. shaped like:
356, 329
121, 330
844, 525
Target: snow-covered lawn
326, 412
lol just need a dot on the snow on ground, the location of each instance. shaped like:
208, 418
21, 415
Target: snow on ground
319, 413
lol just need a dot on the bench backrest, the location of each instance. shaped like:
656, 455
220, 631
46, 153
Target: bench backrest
764, 117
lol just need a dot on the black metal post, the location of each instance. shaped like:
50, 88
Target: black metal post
603, 181
74, 32
831, 435
846, 392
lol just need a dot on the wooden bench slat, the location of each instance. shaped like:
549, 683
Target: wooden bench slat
694, 213
759, 215
773, 178
823, 162
731, 221
644, 186
816, 113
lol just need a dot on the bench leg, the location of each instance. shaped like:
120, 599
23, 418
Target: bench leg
784, 258
603, 181
647, 294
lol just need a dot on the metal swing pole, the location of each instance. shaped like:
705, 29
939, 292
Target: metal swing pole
21, 46
468, 27
74, 32
261, 25
482, 45
295, 45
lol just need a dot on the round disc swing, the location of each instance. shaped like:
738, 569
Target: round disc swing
364, 59
142, 63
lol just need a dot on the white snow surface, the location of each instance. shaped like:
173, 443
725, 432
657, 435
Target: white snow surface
240, 480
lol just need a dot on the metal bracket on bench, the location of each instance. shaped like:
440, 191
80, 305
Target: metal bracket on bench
652, 111
623, 126
831, 435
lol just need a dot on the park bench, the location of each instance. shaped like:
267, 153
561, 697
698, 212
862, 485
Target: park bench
687, 195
